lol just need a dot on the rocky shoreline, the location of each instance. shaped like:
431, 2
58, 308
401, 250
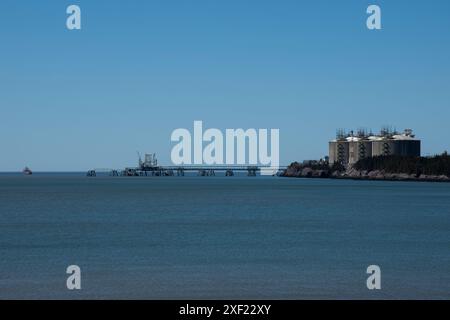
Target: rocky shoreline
351, 173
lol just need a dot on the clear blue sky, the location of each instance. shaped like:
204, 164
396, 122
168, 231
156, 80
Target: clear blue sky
75, 100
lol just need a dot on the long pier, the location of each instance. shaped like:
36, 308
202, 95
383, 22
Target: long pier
202, 170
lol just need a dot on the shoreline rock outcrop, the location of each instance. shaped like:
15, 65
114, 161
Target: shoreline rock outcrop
298, 171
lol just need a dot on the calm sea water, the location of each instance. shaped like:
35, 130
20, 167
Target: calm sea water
222, 237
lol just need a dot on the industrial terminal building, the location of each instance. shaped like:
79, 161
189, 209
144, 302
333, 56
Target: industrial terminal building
347, 149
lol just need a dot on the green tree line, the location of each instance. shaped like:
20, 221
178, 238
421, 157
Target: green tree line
436, 165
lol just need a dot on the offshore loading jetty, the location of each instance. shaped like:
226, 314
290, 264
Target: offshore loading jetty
150, 167
389, 155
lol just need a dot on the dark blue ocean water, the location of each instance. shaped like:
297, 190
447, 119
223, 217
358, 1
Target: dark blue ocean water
222, 237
